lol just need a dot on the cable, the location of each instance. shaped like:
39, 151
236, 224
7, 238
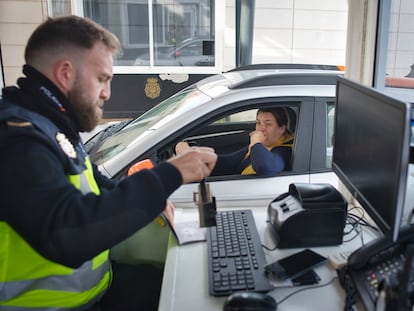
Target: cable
361, 235
361, 218
346, 283
306, 288
268, 248
355, 236
355, 223
358, 220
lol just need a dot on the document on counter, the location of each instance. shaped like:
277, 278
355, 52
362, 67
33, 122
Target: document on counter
186, 227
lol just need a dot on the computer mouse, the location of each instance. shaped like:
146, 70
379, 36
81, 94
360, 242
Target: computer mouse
249, 301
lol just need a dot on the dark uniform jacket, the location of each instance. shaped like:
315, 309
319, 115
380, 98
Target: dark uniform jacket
39, 202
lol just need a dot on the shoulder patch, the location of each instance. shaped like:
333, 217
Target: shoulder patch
66, 145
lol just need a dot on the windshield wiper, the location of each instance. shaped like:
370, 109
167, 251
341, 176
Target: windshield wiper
102, 135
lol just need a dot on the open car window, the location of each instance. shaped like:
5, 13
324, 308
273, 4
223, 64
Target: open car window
230, 133
228, 129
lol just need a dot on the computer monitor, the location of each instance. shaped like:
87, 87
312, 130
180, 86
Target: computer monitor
371, 151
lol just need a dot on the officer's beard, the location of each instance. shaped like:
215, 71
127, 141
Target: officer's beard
89, 111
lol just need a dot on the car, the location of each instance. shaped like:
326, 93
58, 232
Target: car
188, 52
220, 111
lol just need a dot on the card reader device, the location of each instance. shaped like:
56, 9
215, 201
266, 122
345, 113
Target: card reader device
206, 205
308, 215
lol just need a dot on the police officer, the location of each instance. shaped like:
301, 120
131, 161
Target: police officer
58, 214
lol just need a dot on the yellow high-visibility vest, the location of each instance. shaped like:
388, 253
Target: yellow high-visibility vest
27, 279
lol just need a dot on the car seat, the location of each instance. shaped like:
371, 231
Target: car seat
291, 115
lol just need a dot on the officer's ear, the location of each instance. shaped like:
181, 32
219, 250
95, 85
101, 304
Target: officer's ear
64, 75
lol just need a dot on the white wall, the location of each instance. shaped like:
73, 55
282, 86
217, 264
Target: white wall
292, 31
18, 19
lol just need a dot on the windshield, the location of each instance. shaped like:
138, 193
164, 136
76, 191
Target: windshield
146, 123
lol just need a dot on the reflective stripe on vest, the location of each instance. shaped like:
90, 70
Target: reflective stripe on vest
28, 281
85, 182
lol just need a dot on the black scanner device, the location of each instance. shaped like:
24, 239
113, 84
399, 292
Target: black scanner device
308, 215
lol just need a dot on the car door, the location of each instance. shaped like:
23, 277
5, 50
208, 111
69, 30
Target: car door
322, 145
248, 191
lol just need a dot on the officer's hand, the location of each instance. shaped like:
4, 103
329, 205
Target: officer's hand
195, 163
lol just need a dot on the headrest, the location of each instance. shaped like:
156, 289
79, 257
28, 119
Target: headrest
292, 118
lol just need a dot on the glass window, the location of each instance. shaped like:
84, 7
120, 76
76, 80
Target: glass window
249, 116
181, 32
329, 132
60, 8
396, 58
152, 120
137, 25
243, 116
231, 132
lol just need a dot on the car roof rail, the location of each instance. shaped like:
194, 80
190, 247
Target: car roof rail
288, 66
287, 79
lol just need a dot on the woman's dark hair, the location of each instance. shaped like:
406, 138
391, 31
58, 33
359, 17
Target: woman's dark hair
279, 114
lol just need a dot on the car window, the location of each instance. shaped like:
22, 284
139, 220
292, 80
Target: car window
323, 127
249, 115
230, 133
190, 50
152, 120
329, 132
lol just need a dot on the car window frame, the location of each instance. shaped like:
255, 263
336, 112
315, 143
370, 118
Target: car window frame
318, 157
303, 137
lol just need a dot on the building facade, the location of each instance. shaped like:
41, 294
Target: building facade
169, 44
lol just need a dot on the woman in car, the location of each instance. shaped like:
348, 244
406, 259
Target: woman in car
268, 153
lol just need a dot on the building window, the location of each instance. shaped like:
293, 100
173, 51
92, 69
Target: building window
158, 32
137, 25
394, 67
60, 7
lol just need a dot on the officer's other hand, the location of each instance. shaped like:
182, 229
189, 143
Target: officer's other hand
195, 163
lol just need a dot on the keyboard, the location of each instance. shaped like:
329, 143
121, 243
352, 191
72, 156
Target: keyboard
236, 258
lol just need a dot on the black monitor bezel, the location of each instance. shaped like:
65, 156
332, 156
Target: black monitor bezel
389, 228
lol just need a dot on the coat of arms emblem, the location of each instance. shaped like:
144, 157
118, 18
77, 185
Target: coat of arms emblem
152, 88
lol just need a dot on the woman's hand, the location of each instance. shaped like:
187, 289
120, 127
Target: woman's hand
181, 147
256, 137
